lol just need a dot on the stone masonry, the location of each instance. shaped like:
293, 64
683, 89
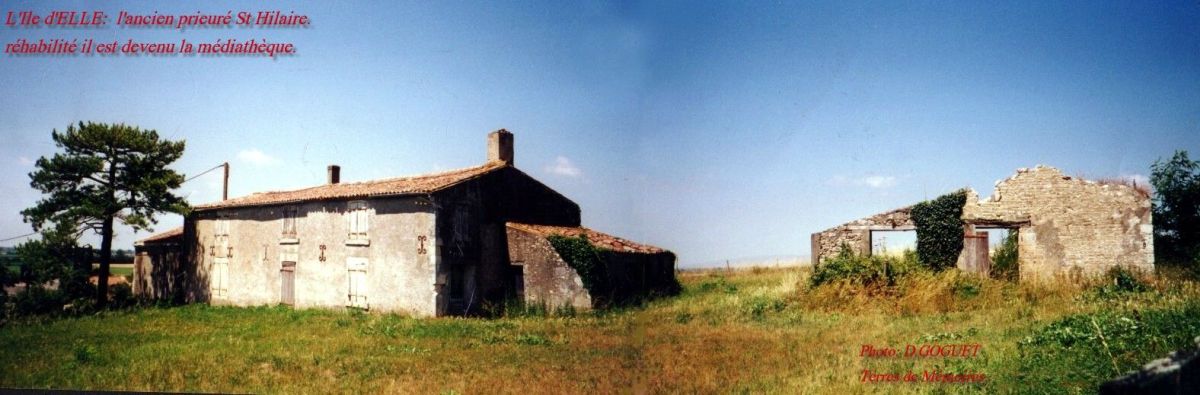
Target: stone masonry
1066, 225
857, 234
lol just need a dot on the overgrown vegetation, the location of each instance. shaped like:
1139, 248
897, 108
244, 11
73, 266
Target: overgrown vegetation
758, 330
872, 270
1078, 352
1004, 259
940, 229
586, 259
1177, 211
592, 265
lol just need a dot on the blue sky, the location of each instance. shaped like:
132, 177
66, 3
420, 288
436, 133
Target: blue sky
720, 130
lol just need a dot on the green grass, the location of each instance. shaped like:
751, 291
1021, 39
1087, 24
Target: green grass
747, 331
115, 269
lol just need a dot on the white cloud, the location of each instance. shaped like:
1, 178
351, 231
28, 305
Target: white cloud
875, 181
255, 157
563, 167
25, 161
879, 181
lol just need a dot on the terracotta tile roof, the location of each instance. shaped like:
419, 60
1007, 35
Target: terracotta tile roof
597, 239
176, 232
385, 187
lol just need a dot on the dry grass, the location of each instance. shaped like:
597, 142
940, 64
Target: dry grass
753, 330
1141, 188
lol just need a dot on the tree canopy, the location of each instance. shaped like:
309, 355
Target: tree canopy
1176, 209
102, 174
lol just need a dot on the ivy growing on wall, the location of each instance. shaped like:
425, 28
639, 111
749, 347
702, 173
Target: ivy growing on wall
585, 258
940, 229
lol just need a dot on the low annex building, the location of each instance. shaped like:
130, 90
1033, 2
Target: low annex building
1065, 225
430, 245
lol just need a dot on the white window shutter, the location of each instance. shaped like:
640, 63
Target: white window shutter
362, 222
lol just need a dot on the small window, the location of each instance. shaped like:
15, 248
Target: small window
221, 226
357, 216
289, 223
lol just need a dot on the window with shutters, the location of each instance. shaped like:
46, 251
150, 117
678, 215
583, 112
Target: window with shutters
356, 295
221, 226
357, 215
289, 223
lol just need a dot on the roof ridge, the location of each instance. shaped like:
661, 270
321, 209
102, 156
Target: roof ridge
376, 187
612, 242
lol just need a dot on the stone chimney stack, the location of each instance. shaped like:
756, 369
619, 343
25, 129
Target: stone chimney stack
335, 174
500, 147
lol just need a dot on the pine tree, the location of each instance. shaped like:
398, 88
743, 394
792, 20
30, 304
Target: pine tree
103, 174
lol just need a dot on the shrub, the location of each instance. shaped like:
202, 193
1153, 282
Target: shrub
717, 284
38, 300
122, 296
865, 270
1004, 260
758, 307
1121, 279
940, 229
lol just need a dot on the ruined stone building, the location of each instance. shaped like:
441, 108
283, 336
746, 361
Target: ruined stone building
429, 245
1065, 225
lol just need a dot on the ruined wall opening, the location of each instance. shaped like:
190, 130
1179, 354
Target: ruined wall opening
1003, 251
893, 242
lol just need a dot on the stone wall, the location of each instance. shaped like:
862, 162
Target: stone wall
399, 264
1068, 225
633, 274
549, 281
857, 233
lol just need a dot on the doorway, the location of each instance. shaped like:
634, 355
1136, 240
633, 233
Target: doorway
1003, 252
287, 287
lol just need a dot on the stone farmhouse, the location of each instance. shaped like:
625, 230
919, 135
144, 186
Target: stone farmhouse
449, 243
1065, 226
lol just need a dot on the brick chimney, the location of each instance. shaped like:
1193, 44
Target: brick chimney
500, 147
335, 174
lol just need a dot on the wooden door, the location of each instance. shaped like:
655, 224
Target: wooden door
976, 257
287, 288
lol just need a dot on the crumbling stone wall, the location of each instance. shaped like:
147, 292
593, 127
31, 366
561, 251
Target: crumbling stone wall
633, 274
857, 233
549, 280
1068, 225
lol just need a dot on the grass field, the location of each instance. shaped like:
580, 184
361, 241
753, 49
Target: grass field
746, 331
115, 269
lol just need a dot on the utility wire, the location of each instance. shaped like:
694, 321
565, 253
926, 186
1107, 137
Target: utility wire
189, 179
205, 172
18, 237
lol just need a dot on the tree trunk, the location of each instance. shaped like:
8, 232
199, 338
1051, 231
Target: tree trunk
106, 237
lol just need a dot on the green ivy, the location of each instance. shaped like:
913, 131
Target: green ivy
940, 229
586, 259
